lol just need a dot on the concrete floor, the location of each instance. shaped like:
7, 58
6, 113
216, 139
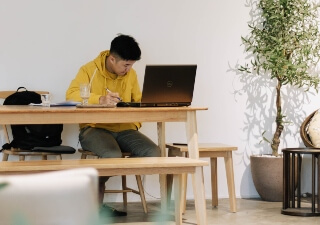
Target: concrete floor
250, 212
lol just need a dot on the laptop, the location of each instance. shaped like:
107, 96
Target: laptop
165, 86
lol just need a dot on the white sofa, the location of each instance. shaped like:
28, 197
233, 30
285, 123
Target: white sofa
68, 197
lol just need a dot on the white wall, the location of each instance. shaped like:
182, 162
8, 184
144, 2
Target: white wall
43, 44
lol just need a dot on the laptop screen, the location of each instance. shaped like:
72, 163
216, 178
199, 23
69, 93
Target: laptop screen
169, 84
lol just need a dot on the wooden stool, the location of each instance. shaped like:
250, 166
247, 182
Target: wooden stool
23, 153
125, 189
57, 151
211, 150
292, 202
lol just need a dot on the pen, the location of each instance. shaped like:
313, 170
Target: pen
111, 92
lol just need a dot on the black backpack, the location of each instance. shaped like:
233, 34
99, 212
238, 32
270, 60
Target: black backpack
30, 136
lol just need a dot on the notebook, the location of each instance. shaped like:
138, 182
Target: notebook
165, 86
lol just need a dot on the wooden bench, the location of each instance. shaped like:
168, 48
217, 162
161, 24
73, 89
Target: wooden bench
126, 166
212, 151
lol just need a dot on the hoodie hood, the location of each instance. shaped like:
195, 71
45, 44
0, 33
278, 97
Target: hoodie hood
100, 63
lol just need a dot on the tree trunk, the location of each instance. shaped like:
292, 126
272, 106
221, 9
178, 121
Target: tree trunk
279, 122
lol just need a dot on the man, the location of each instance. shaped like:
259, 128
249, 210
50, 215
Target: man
112, 79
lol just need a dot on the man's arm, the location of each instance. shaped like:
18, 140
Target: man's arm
73, 92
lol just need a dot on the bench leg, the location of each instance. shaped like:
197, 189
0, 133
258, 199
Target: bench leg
141, 193
199, 196
162, 177
184, 179
177, 178
163, 193
124, 194
172, 153
230, 181
169, 188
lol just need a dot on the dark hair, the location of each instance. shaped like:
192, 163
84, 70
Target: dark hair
125, 47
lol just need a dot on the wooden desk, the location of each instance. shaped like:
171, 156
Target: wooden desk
73, 115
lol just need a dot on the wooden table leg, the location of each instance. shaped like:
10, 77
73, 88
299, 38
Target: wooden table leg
214, 181
162, 177
197, 177
192, 135
177, 198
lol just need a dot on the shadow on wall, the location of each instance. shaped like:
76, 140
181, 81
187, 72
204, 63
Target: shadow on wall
258, 124
247, 182
260, 112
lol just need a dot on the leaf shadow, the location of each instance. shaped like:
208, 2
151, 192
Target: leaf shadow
260, 111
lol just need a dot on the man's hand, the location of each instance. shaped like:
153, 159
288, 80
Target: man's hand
110, 99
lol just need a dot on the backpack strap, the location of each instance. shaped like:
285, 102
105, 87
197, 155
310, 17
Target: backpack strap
6, 146
22, 88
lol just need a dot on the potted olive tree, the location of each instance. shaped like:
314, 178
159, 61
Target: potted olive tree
283, 44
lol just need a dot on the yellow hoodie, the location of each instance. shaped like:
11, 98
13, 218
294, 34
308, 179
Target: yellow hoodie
96, 74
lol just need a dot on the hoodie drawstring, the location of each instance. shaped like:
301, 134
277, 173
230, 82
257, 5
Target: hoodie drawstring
94, 73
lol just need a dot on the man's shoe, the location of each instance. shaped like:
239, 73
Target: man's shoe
107, 211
